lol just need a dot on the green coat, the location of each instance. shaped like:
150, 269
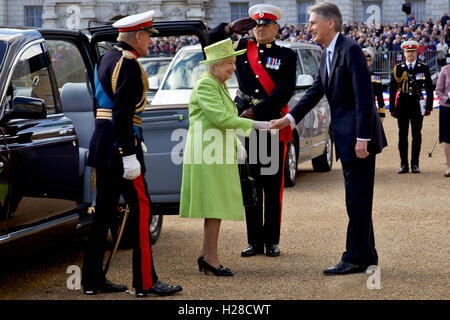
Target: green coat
211, 186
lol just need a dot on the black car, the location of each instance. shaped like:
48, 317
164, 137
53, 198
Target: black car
46, 121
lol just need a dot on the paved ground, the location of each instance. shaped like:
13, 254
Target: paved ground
411, 222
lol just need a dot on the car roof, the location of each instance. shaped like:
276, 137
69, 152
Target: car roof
298, 45
156, 58
15, 34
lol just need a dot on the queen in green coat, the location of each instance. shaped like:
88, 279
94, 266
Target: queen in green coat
210, 187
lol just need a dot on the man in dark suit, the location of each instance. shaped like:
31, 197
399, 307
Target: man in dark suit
356, 127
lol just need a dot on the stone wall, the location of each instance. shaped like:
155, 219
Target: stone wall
78, 13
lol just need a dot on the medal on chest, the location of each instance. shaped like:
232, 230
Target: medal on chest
273, 63
376, 78
420, 76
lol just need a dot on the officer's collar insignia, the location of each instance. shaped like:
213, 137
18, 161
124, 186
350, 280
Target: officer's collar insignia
268, 45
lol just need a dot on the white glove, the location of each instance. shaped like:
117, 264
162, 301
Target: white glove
144, 147
131, 167
241, 153
261, 125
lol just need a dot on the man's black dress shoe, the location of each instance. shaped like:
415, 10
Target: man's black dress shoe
160, 289
272, 250
107, 287
447, 174
403, 169
345, 268
415, 169
252, 250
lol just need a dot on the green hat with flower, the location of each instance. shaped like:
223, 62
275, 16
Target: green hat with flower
220, 50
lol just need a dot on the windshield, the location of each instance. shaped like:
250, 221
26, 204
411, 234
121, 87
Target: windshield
186, 70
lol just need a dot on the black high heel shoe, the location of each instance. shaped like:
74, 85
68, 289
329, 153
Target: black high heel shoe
206, 267
199, 261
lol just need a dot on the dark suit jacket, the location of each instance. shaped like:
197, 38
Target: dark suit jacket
350, 95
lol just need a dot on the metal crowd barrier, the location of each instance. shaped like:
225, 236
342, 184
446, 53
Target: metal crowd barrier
383, 63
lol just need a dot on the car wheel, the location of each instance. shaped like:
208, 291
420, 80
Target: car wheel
324, 162
290, 166
155, 228
126, 241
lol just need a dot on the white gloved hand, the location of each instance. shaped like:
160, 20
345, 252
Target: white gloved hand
144, 147
261, 125
131, 167
241, 153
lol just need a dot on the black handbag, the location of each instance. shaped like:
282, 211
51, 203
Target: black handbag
248, 185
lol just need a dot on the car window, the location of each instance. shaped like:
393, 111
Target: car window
30, 77
155, 67
310, 61
299, 69
186, 70
67, 62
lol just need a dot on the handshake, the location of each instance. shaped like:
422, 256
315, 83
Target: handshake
272, 126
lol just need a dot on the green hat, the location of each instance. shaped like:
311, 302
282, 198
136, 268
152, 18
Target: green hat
220, 50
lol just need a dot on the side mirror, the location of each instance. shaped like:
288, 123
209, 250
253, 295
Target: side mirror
153, 83
304, 81
27, 108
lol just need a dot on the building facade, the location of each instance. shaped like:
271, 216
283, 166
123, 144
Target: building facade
80, 14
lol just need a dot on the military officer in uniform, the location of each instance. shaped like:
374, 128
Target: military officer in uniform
410, 78
266, 76
376, 84
116, 152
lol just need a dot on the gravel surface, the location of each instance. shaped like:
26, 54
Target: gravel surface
411, 216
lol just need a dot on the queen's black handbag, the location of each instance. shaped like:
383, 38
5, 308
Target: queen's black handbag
248, 185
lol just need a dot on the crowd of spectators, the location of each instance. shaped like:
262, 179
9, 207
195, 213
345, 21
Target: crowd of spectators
431, 36
168, 47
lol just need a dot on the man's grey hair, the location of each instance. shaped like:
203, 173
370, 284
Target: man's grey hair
126, 36
327, 11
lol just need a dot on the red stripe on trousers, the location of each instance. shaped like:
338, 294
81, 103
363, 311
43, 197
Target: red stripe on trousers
144, 234
282, 181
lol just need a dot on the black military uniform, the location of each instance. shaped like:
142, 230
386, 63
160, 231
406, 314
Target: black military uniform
406, 107
378, 93
280, 65
120, 92
376, 84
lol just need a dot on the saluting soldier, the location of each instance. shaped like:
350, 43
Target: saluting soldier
410, 78
266, 76
376, 84
116, 152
